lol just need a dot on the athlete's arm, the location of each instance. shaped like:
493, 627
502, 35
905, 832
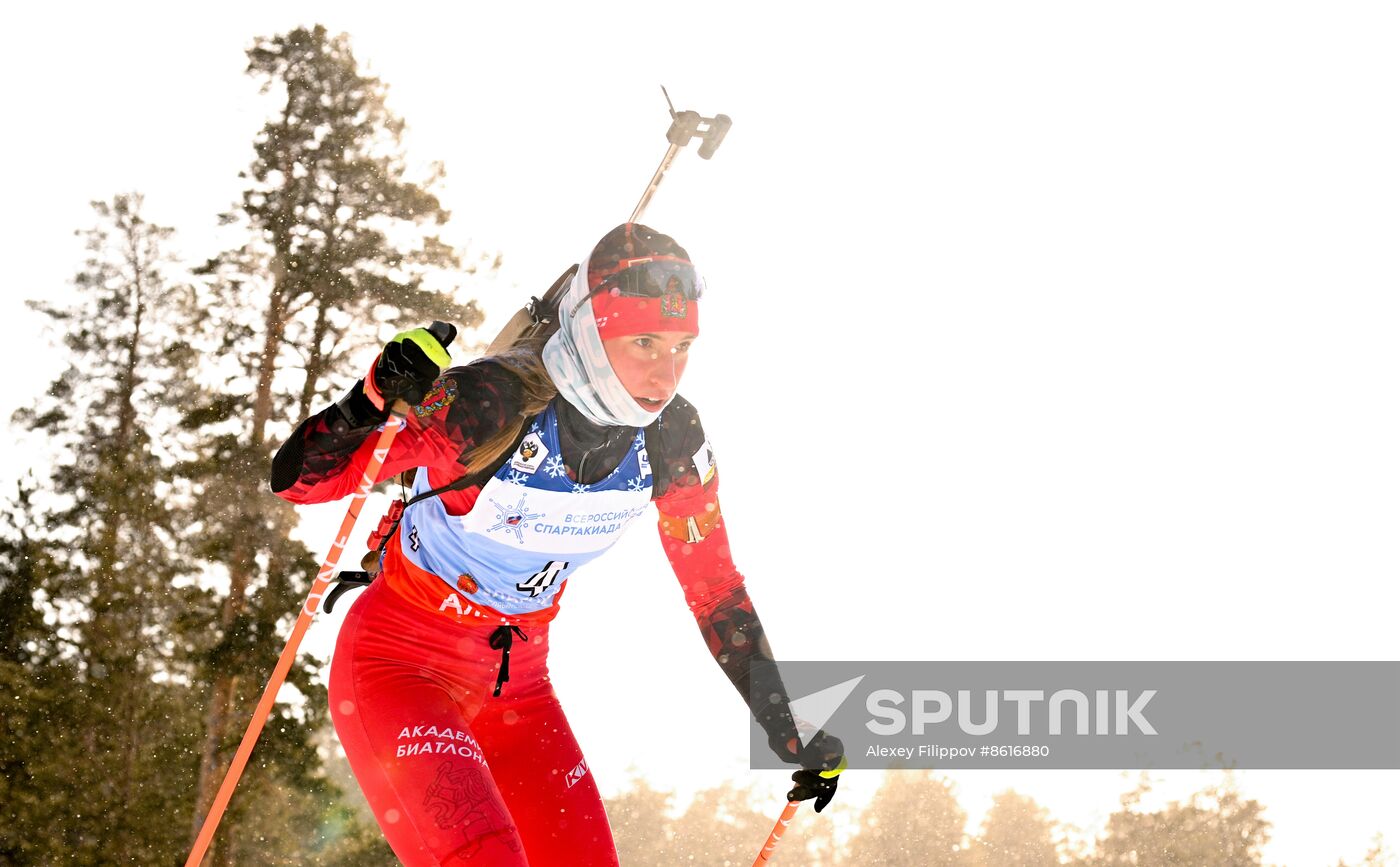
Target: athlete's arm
696, 542
325, 457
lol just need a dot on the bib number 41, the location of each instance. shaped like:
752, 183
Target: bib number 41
543, 579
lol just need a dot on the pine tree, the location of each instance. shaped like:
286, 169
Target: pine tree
110, 694
913, 819
1215, 827
721, 827
1017, 832
24, 563
641, 824
338, 242
33, 678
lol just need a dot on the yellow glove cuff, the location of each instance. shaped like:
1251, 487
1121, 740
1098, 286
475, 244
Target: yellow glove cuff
428, 343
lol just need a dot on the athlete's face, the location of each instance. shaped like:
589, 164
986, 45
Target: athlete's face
649, 365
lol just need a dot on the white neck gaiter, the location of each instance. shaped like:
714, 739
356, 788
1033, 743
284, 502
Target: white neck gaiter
578, 364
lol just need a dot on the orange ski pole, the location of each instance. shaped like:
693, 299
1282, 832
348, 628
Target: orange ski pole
444, 333
783, 821
289, 652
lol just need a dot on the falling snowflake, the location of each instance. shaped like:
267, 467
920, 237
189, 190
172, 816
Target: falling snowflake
554, 465
582, 489
516, 477
636, 484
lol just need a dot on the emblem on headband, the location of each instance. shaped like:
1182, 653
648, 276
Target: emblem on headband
673, 305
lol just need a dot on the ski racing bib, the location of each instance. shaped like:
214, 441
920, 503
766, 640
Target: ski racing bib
531, 527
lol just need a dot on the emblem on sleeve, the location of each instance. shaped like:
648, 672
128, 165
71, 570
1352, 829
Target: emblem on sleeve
443, 392
705, 463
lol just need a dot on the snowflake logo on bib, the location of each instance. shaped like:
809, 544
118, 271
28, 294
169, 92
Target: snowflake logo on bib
554, 465
513, 519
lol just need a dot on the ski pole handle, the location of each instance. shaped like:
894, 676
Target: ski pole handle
445, 332
783, 821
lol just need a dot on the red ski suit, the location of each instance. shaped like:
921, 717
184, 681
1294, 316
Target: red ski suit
454, 774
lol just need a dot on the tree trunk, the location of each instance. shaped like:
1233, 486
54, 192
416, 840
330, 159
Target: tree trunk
126, 417
112, 500
267, 359
315, 361
210, 764
240, 565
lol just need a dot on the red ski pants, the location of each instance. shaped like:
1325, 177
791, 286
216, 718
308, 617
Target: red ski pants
455, 776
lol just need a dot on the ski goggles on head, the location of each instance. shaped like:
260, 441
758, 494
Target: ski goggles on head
650, 277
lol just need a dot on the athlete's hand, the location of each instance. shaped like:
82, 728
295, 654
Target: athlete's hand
823, 758
408, 365
815, 784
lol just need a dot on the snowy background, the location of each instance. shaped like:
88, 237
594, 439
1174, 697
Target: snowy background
1035, 331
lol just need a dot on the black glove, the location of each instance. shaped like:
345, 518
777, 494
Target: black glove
409, 365
405, 370
823, 759
811, 784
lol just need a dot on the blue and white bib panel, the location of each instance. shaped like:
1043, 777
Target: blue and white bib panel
531, 527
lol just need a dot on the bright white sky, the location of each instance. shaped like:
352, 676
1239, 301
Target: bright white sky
1036, 331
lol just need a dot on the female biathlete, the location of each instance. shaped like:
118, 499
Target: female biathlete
529, 464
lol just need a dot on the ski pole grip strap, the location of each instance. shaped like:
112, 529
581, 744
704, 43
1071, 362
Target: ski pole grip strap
355, 412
